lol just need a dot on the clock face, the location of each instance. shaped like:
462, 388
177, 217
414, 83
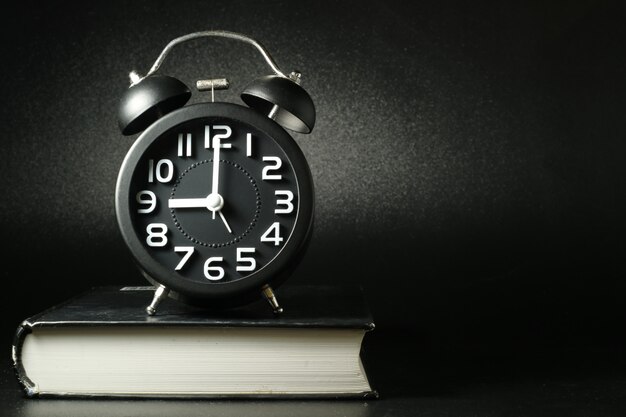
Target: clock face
214, 199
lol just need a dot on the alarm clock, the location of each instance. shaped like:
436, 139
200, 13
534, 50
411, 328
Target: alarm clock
215, 200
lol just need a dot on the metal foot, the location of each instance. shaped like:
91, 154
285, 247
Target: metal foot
159, 295
271, 298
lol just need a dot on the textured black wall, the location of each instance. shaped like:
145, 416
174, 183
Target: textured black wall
468, 158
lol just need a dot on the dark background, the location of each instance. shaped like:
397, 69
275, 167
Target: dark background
467, 157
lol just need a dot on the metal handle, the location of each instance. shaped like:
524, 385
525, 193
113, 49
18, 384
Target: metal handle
209, 33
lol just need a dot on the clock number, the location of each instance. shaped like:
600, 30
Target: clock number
157, 235
249, 144
219, 136
212, 272
272, 234
189, 251
164, 170
287, 202
146, 197
277, 163
184, 146
248, 259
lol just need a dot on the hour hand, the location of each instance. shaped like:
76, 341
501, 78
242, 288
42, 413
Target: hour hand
188, 202
213, 202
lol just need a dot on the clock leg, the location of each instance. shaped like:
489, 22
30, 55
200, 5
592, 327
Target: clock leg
269, 295
159, 295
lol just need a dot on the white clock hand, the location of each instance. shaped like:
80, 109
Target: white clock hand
188, 202
213, 202
225, 222
216, 168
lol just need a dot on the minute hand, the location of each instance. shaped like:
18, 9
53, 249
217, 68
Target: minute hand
216, 168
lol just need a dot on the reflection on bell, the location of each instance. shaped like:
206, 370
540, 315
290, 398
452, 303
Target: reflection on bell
282, 100
148, 100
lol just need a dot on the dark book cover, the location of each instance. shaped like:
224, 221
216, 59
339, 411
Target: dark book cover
324, 307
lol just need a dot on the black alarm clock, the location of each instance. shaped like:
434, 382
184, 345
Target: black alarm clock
215, 200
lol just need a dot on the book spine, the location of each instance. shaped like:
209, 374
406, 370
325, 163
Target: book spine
28, 386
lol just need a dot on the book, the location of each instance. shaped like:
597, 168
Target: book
102, 343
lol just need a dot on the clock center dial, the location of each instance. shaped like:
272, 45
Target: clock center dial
215, 202
215, 219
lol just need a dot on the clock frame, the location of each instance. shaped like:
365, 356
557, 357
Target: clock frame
220, 293
155, 104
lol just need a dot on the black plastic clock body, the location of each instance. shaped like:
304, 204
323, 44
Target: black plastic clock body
215, 200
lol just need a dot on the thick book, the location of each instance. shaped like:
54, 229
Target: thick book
102, 343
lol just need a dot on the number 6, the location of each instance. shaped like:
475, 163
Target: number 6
208, 269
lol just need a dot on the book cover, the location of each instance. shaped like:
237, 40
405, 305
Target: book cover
251, 350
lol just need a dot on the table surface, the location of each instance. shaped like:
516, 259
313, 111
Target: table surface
411, 380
